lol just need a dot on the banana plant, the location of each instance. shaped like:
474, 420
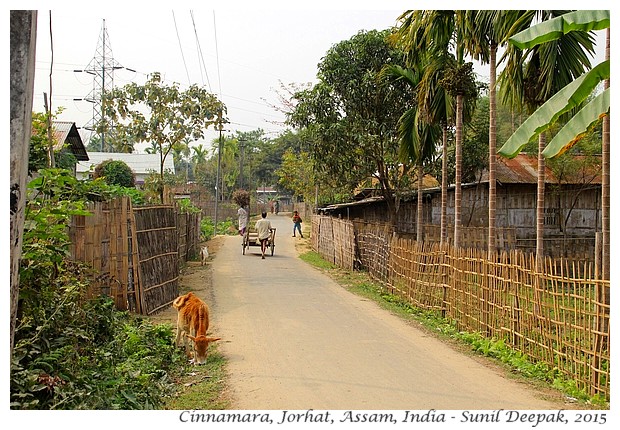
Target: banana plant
568, 98
572, 95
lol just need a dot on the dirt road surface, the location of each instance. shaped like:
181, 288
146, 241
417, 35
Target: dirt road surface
294, 339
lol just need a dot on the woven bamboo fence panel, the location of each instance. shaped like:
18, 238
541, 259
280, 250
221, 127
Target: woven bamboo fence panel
314, 232
103, 240
134, 252
344, 243
340, 249
552, 311
182, 237
158, 255
325, 238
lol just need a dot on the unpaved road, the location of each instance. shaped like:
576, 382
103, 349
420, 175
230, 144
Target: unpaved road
294, 339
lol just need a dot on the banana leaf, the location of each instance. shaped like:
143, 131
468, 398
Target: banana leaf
569, 97
546, 31
578, 125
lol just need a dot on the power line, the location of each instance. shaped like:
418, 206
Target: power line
181, 47
217, 55
201, 60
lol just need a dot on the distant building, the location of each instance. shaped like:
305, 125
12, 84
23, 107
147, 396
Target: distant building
572, 208
67, 138
265, 194
142, 165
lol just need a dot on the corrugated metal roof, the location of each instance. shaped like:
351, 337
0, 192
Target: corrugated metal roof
522, 169
139, 163
65, 132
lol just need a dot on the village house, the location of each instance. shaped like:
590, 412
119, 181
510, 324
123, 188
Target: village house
67, 139
572, 209
141, 164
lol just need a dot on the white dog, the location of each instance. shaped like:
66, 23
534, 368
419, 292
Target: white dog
204, 255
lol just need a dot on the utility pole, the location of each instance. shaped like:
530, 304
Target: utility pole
217, 179
241, 151
51, 162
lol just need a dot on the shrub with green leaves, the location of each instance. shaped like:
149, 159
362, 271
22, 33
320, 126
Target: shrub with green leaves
115, 172
71, 350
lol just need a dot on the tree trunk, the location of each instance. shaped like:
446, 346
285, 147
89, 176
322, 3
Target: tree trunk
419, 234
444, 187
492, 150
540, 199
22, 63
458, 168
605, 186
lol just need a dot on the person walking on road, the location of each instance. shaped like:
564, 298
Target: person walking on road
263, 228
297, 224
243, 220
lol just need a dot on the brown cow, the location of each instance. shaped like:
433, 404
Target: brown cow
193, 323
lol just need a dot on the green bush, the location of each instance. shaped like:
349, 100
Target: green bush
187, 207
115, 172
73, 351
207, 231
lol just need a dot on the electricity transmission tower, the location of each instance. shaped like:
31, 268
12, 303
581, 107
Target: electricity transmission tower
102, 66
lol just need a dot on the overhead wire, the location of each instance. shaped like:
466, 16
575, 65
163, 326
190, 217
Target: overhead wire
181, 48
217, 55
201, 61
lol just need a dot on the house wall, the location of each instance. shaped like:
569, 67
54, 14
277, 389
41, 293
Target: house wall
573, 215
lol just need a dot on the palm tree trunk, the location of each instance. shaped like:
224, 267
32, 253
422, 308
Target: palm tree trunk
605, 187
457, 181
492, 149
444, 186
540, 199
419, 220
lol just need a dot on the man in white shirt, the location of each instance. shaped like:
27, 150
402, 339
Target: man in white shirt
263, 228
243, 219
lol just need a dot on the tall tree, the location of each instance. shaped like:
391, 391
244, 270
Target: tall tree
484, 37
534, 76
436, 33
354, 119
569, 97
22, 50
171, 115
434, 103
418, 135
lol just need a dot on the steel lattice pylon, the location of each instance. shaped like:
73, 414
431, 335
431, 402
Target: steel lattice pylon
102, 66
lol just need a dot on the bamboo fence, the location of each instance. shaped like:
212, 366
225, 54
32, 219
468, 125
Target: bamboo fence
135, 252
554, 311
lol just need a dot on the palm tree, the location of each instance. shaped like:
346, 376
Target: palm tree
569, 97
482, 43
153, 149
180, 151
437, 107
534, 76
418, 138
430, 32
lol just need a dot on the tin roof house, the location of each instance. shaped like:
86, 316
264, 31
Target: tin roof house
141, 164
572, 208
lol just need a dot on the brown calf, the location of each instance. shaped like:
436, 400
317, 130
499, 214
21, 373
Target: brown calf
193, 323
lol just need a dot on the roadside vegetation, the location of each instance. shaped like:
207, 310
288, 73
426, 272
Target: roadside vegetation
72, 348
515, 362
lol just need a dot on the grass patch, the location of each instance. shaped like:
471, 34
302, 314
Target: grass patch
316, 260
201, 387
516, 362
